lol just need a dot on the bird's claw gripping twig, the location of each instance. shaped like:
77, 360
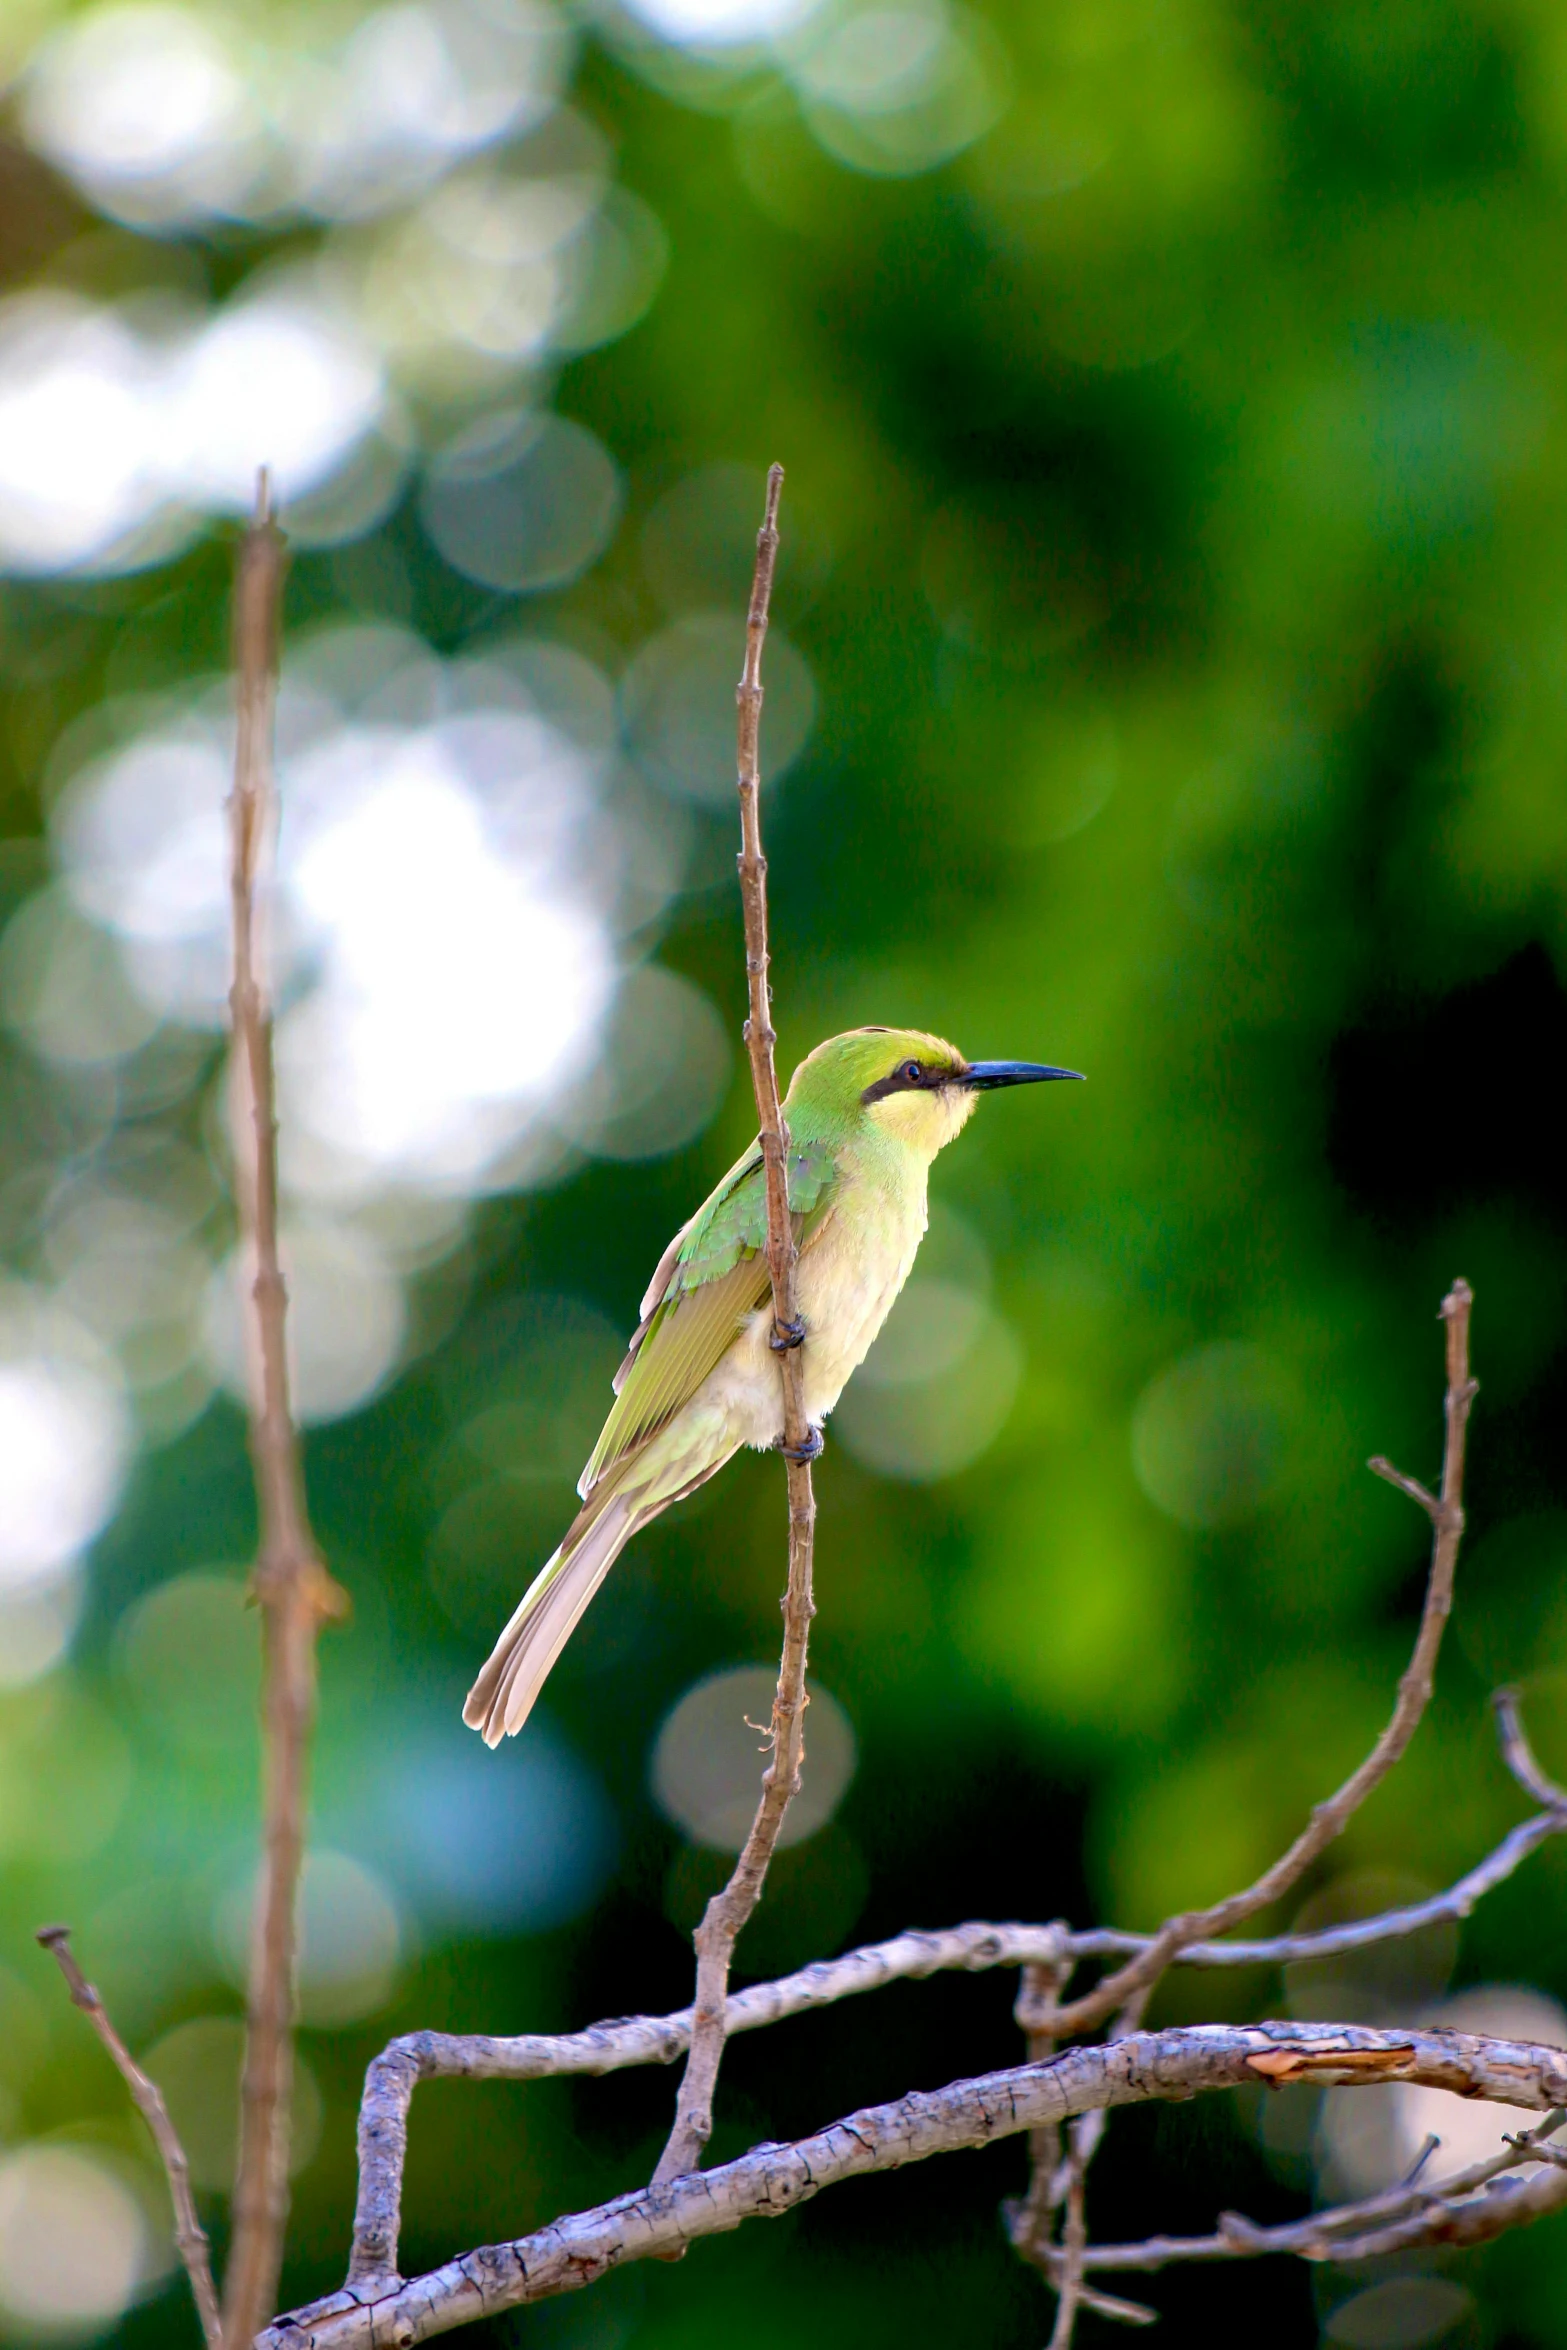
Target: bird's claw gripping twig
811, 1449
785, 1336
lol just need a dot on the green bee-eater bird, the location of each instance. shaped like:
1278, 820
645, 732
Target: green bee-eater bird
867, 1113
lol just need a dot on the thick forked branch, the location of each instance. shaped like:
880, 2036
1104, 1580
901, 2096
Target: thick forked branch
293, 1588
661, 2220
190, 2236
1043, 1952
728, 1911
393, 2076
1329, 1819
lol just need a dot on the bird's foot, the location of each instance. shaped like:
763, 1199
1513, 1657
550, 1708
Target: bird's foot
787, 1335
811, 1450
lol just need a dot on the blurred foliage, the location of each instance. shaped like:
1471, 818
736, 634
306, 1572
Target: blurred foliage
1176, 542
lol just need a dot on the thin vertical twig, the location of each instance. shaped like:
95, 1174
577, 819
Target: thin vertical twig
728, 1911
190, 2236
1329, 1819
1032, 2218
1059, 2176
295, 1593
1084, 2139
1040, 2004
1074, 2242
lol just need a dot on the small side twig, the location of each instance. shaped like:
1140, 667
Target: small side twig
1381, 1466
295, 1593
1330, 1818
729, 1910
189, 2235
1341, 2233
1519, 1755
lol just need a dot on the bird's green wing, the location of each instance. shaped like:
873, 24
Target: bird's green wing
712, 1275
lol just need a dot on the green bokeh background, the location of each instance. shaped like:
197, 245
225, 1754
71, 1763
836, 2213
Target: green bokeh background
1176, 531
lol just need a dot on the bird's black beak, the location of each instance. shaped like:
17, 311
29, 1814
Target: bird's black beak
983, 1076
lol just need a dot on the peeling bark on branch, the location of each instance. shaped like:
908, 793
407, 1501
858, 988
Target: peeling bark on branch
910, 1957
1144, 2068
630, 2040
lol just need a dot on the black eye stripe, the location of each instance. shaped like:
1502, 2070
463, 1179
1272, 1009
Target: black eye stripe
908, 1077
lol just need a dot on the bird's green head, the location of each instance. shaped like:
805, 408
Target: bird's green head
901, 1082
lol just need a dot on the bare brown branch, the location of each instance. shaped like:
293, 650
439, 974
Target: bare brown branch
1330, 1819
1073, 2090
727, 1912
663, 2219
1342, 2232
1065, 2186
631, 2040
1418, 1494
1359, 1933
190, 2236
1477, 2220
291, 1584
1043, 1952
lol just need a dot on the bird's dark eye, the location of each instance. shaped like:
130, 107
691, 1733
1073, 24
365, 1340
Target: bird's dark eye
912, 1071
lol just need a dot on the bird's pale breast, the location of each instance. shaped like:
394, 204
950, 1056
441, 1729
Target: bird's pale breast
850, 1280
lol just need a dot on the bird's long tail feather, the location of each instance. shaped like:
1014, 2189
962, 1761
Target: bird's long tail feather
503, 1696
